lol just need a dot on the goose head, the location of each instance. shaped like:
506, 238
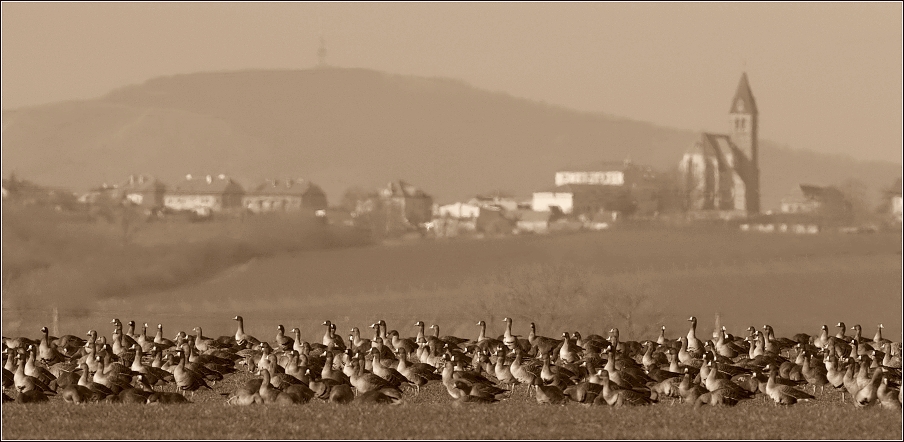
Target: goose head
419, 324
44, 330
481, 323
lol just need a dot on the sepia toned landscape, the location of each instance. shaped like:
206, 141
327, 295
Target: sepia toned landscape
215, 241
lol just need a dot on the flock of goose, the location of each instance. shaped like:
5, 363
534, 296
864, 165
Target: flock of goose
592, 370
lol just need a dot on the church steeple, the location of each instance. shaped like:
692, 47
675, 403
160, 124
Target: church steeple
744, 128
743, 102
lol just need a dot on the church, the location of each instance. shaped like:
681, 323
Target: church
720, 173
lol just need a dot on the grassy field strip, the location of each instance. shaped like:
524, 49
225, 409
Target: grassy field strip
431, 416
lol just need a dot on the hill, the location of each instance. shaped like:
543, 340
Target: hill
345, 127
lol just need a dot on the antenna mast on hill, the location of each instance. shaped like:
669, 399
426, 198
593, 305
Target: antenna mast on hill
321, 53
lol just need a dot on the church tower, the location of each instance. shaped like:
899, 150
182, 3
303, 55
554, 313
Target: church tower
743, 130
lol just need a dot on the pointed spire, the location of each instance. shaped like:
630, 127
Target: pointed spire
743, 102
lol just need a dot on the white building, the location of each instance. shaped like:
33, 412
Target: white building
564, 200
458, 210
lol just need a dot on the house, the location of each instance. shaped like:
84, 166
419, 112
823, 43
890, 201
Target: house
896, 205
632, 188
415, 206
503, 202
817, 202
458, 211
205, 194
721, 173
397, 207
289, 195
529, 221
493, 221
580, 199
140, 190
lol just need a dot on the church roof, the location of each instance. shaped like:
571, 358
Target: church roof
743, 101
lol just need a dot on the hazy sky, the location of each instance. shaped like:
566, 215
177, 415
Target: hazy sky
826, 76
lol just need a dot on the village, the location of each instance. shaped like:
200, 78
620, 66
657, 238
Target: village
718, 179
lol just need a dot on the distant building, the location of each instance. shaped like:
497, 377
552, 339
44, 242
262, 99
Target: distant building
204, 194
628, 187
721, 171
398, 206
824, 202
528, 221
583, 199
140, 190
458, 210
896, 204
289, 195
503, 202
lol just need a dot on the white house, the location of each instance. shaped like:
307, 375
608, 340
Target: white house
543, 200
458, 210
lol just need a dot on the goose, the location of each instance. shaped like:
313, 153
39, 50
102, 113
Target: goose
38, 372
391, 375
878, 340
858, 335
449, 339
359, 343
385, 396
187, 380
114, 381
330, 338
78, 394
154, 375
886, 396
689, 356
398, 342
730, 389
364, 382
327, 372
783, 394
269, 394
31, 396
128, 339
688, 390
868, 394
774, 344
160, 397
693, 344
420, 337
558, 376
569, 352
524, 374
815, 376
483, 342
242, 338
462, 397
25, 383
823, 339
715, 398
541, 344
508, 338
619, 398
160, 340
203, 343
503, 371
282, 341
583, 392
549, 394
842, 329
418, 374
662, 340
46, 351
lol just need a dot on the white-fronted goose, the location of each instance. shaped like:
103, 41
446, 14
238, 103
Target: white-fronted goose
282, 341
783, 394
242, 338
693, 344
187, 380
